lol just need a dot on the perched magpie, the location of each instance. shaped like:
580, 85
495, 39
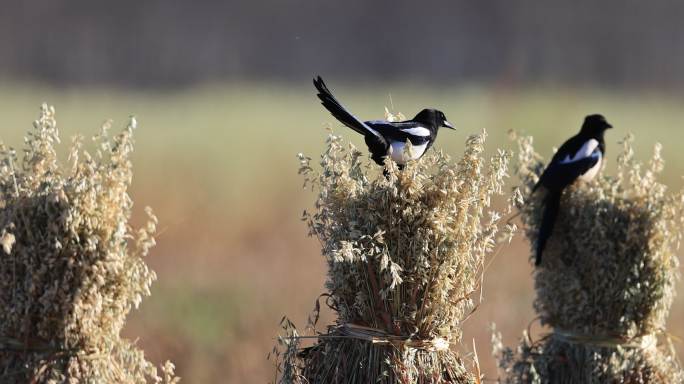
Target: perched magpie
385, 138
578, 158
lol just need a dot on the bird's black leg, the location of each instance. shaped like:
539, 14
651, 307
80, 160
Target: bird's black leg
386, 173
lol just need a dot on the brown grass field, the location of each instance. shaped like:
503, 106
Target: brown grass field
218, 166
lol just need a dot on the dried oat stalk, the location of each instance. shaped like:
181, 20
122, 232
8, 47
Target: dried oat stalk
71, 267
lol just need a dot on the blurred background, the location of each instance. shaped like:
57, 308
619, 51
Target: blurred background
222, 92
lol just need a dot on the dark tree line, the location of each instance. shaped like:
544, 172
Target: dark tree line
159, 43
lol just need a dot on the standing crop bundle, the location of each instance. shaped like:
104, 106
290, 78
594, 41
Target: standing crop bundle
607, 279
405, 254
71, 267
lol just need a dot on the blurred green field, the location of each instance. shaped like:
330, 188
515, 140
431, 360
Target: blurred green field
218, 166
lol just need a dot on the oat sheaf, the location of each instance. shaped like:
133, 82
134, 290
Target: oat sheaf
72, 267
405, 255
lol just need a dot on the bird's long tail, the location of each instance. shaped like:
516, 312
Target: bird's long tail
337, 110
551, 205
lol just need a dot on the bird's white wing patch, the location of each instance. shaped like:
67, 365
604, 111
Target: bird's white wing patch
417, 131
586, 151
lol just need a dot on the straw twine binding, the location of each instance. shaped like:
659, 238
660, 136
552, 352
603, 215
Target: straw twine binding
640, 342
380, 337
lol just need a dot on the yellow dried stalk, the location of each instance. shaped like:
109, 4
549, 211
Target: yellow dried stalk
71, 267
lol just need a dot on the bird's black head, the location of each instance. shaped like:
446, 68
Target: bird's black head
595, 124
433, 118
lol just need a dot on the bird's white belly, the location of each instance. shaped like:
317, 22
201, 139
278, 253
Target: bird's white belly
592, 172
397, 152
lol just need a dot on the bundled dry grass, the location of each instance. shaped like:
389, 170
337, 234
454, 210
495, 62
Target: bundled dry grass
607, 280
405, 256
71, 267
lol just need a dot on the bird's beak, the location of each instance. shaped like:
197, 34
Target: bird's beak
448, 125
608, 125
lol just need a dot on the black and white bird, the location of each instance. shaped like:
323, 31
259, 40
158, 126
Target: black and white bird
579, 158
387, 138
